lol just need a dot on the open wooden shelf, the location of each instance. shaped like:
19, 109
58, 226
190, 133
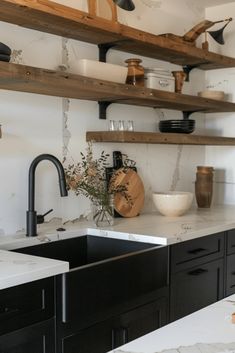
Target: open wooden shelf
50, 17
23, 78
157, 138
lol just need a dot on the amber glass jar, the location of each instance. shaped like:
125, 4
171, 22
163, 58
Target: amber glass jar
135, 75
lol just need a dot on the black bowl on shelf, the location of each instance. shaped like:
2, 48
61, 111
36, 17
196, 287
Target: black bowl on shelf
185, 126
4, 49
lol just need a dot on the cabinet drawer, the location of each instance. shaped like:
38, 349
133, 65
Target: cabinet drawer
231, 241
112, 333
193, 252
39, 338
111, 287
196, 288
26, 304
230, 275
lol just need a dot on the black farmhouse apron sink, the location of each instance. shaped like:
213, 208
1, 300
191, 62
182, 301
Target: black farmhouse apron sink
106, 277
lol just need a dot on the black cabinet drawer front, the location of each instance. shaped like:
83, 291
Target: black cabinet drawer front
195, 288
193, 252
26, 304
94, 293
231, 241
119, 330
230, 275
39, 338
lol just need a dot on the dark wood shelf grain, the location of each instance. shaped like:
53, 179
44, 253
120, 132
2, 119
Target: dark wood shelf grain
51, 17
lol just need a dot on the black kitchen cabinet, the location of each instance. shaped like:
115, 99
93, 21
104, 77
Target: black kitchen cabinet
26, 304
112, 333
230, 263
39, 338
27, 318
196, 288
197, 274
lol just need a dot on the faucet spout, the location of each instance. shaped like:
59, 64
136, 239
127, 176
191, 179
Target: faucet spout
31, 226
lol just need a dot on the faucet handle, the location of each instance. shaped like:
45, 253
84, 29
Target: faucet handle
40, 218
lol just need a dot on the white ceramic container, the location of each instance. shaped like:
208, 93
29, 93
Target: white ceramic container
172, 203
102, 71
159, 79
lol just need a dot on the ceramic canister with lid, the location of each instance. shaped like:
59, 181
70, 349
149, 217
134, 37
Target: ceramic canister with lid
159, 79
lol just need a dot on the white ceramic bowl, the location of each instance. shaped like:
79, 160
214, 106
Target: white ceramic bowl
172, 203
101, 71
218, 95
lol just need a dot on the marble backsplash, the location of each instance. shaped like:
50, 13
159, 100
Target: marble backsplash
35, 124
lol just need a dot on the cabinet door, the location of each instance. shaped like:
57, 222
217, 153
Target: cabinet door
196, 288
230, 275
38, 338
231, 241
139, 322
117, 331
26, 304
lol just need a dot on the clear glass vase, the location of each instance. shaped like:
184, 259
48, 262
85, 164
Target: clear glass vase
103, 213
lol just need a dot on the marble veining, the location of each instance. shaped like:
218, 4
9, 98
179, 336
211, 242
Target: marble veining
176, 174
198, 348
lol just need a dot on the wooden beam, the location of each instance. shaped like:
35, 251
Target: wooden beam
157, 138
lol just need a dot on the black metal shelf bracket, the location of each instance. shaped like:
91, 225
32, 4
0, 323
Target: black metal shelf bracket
103, 109
186, 114
103, 50
187, 69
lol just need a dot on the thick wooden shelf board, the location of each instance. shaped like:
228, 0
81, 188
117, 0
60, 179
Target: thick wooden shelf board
23, 78
157, 138
48, 16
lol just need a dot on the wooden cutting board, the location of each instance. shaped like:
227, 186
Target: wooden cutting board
135, 190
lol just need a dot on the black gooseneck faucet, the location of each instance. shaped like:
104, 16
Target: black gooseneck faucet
31, 224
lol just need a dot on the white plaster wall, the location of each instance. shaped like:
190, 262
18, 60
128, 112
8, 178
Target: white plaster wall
34, 124
222, 158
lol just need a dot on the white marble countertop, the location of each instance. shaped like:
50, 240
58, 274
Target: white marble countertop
149, 228
209, 330
18, 268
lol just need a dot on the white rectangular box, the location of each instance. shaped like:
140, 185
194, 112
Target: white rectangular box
101, 71
159, 80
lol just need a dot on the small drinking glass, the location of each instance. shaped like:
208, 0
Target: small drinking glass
112, 125
121, 125
130, 125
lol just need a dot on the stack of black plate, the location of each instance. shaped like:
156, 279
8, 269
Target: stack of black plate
5, 52
185, 126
